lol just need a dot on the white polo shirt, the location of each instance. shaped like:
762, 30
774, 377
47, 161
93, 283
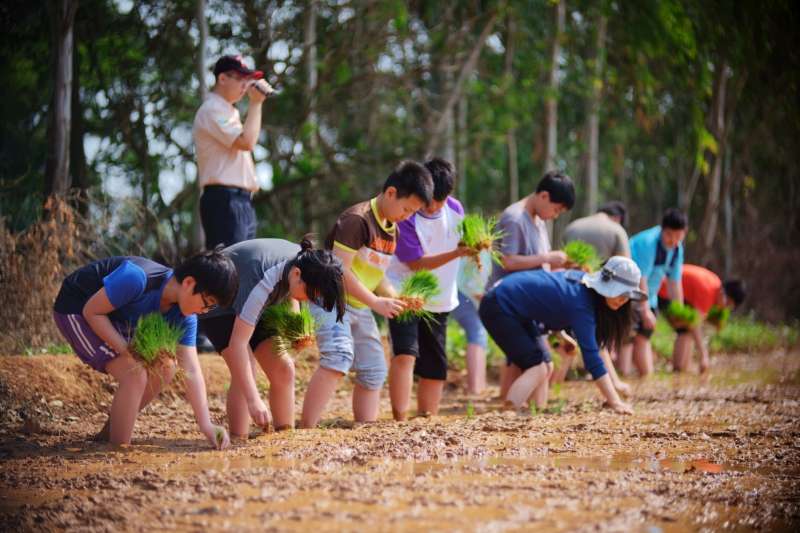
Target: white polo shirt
217, 124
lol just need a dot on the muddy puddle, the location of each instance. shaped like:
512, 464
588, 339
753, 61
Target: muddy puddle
719, 453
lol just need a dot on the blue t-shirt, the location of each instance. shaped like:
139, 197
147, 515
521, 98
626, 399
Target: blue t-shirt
655, 261
134, 286
558, 300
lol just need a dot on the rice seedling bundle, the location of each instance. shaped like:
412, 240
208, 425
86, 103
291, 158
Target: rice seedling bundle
416, 291
582, 255
155, 340
289, 329
480, 234
718, 316
681, 316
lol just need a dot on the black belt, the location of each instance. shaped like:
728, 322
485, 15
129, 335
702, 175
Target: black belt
231, 190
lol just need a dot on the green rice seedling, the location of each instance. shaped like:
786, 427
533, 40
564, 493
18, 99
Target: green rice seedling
470, 410
682, 316
480, 234
415, 292
155, 340
533, 410
289, 329
718, 316
582, 255
219, 436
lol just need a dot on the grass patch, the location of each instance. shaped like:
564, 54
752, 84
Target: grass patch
582, 255
155, 340
290, 330
742, 334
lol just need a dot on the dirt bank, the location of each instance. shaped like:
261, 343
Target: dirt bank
721, 453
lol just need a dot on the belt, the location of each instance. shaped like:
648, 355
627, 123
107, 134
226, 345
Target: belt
232, 190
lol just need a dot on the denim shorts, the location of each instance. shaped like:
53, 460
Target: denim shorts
466, 314
354, 343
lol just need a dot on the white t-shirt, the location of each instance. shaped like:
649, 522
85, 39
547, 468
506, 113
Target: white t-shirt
217, 124
422, 235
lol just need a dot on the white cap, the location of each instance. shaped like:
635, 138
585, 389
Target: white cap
620, 276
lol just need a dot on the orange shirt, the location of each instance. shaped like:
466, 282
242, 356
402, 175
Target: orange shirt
700, 287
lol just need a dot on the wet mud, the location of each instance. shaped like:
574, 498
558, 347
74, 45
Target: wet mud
704, 454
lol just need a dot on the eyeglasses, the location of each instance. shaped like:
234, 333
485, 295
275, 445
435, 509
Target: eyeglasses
206, 305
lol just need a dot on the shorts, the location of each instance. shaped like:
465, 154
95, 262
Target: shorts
466, 314
90, 348
638, 326
353, 343
218, 329
426, 340
521, 341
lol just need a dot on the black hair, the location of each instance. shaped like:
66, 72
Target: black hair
735, 290
612, 328
674, 219
444, 177
615, 208
411, 178
214, 274
559, 186
323, 274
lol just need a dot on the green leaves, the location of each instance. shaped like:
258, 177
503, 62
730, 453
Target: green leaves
416, 291
289, 330
682, 316
155, 339
583, 255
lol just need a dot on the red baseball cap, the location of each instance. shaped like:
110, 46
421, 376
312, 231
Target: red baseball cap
229, 63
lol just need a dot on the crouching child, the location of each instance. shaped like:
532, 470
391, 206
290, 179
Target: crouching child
97, 310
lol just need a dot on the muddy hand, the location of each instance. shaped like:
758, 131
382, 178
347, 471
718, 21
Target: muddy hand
259, 413
218, 437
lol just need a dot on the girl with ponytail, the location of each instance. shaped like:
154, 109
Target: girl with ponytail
271, 271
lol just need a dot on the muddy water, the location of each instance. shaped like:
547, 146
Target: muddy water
718, 453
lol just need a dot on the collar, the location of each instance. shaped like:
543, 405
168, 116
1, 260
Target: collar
382, 222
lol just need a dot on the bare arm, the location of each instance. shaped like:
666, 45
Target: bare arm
246, 141
675, 290
513, 262
196, 394
429, 262
96, 313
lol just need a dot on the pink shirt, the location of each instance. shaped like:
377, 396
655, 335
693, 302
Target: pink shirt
217, 124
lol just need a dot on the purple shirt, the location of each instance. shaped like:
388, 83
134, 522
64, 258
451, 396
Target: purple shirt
408, 246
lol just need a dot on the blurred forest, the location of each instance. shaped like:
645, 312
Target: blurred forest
657, 103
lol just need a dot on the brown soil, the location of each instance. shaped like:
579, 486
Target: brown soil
714, 453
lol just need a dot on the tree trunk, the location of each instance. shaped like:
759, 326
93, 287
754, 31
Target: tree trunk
511, 134
593, 111
438, 128
461, 152
197, 235
719, 130
310, 46
80, 177
551, 102
57, 177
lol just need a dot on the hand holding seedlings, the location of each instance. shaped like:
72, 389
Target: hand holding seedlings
155, 341
479, 234
417, 289
682, 316
581, 255
218, 437
290, 330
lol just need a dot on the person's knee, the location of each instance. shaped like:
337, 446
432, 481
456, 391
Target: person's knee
282, 372
135, 378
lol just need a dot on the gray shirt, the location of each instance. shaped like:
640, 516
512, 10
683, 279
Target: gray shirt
608, 237
522, 235
260, 264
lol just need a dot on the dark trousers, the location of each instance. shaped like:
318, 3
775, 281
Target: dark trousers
227, 214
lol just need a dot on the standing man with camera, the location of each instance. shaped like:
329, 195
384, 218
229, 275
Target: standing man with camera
224, 146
